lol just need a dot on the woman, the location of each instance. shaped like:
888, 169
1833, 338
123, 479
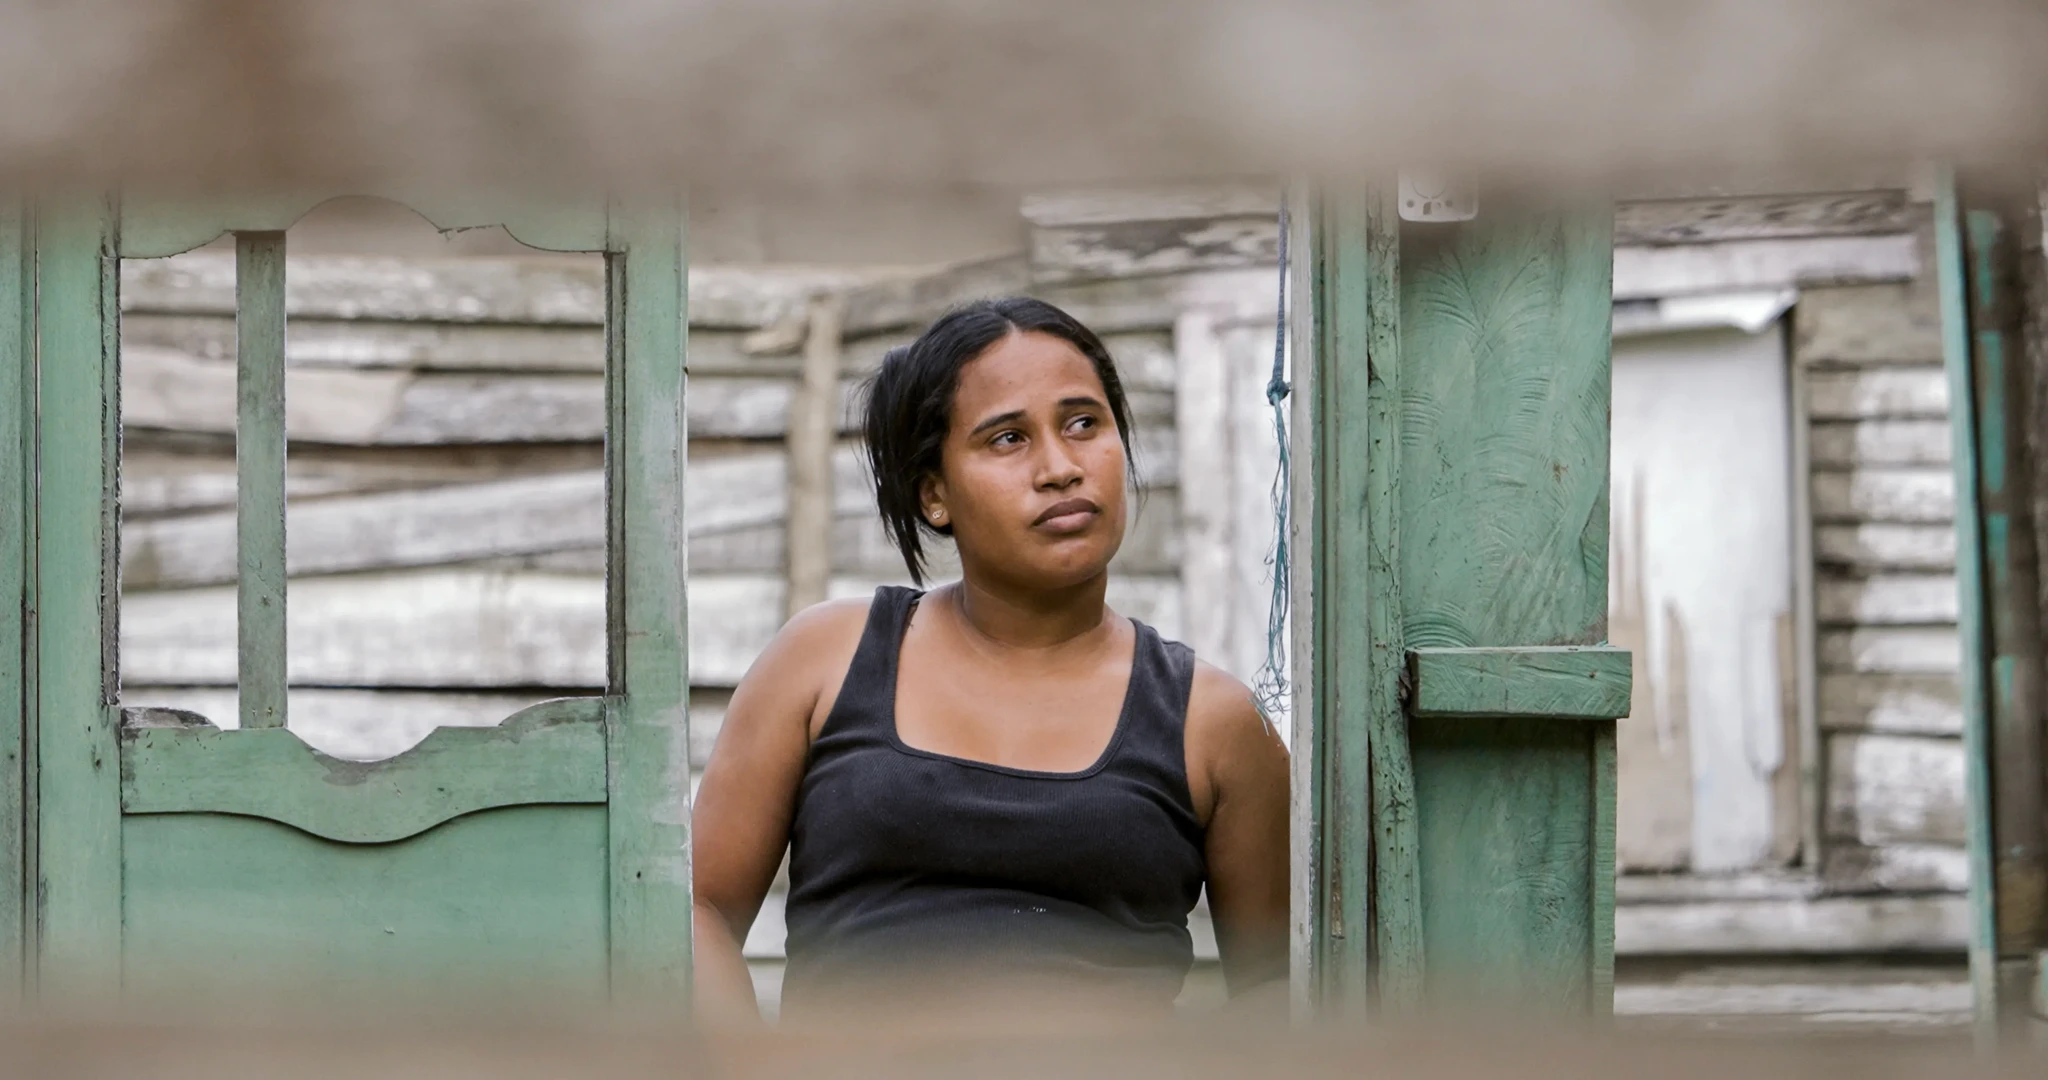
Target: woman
1000, 777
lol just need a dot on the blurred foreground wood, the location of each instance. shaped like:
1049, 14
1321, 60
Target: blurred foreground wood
533, 1045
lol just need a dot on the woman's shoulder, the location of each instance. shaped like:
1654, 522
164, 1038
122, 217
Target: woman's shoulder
1228, 737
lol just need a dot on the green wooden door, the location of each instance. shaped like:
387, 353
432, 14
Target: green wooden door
549, 852
1465, 699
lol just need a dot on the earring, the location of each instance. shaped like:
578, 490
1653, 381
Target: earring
939, 516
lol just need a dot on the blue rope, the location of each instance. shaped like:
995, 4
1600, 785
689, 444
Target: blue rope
1270, 688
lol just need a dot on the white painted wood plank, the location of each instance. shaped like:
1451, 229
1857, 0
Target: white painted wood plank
1876, 547
1898, 650
1129, 249
1202, 404
1850, 444
1154, 303
1887, 600
1869, 324
358, 725
1917, 495
1896, 868
1893, 704
1794, 927
1887, 789
450, 628
1650, 272
159, 476
1918, 391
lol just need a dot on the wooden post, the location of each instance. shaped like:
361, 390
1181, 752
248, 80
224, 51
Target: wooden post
259, 477
813, 429
17, 501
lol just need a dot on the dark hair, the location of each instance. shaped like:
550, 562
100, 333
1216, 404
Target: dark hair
909, 404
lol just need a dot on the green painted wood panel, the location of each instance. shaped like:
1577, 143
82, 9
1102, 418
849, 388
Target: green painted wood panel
1971, 621
17, 271
259, 478
553, 752
78, 781
1504, 389
649, 716
1566, 682
498, 901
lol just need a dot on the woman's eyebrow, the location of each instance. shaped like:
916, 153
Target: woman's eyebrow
997, 420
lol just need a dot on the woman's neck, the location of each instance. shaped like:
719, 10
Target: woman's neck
1033, 618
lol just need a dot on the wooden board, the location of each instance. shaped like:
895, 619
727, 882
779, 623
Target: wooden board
1886, 600
1894, 704
1692, 221
1849, 444
1895, 868
166, 474
1872, 548
1918, 391
1892, 495
1897, 323
1906, 650
1858, 925
1126, 249
476, 629
1888, 789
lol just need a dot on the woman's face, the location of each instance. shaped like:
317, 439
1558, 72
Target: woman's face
1032, 475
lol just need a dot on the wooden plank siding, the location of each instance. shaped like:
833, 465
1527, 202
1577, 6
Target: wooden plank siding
1885, 591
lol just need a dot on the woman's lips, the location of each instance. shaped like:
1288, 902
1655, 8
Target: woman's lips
1067, 516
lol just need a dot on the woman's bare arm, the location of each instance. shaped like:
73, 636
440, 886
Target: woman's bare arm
740, 822
1238, 768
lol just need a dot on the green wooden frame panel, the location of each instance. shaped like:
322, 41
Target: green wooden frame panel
17, 502
552, 752
1971, 622
1562, 682
648, 717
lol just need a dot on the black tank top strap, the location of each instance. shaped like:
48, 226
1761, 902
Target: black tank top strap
867, 696
1162, 678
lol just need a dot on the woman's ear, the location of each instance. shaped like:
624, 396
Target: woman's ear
931, 501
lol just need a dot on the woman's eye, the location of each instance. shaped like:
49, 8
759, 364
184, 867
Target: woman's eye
1082, 423
1006, 438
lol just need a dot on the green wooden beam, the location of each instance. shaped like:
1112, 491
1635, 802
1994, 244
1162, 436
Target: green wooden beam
259, 477
77, 585
17, 491
1558, 682
649, 715
549, 753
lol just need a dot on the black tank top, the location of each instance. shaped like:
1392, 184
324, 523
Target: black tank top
905, 859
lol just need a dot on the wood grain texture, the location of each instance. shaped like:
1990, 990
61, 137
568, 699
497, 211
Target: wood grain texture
1879, 547
1846, 445
1897, 650
1919, 391
1887, 600
552, 752
1503, 488
1851, 869
1892, 704
1691, 221
647, 621
1887, 789
1127, 249
811, 490
259, 476
78, 399
17, 502
1798, 927
1562, 682
1906, 496
173, 474
1746, 265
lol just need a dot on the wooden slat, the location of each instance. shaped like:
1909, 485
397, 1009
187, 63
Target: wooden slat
1691, 221
1129, 249
553, 512
1895, 868
169, 391
1897, 496
1918, 391
1891, 704
1887, 600
259, 476
1849, 444
1896, 650
811, 486
1175, 202
476, 629
1873, 548
1887, 789
1854, 925
161, 474
552, 752
1565, 683
1642, 273
1152, 304
1868, 324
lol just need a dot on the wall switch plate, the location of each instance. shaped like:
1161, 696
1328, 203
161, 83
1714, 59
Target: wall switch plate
1436, 197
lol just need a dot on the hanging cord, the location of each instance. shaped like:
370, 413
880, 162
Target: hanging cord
1270, 687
